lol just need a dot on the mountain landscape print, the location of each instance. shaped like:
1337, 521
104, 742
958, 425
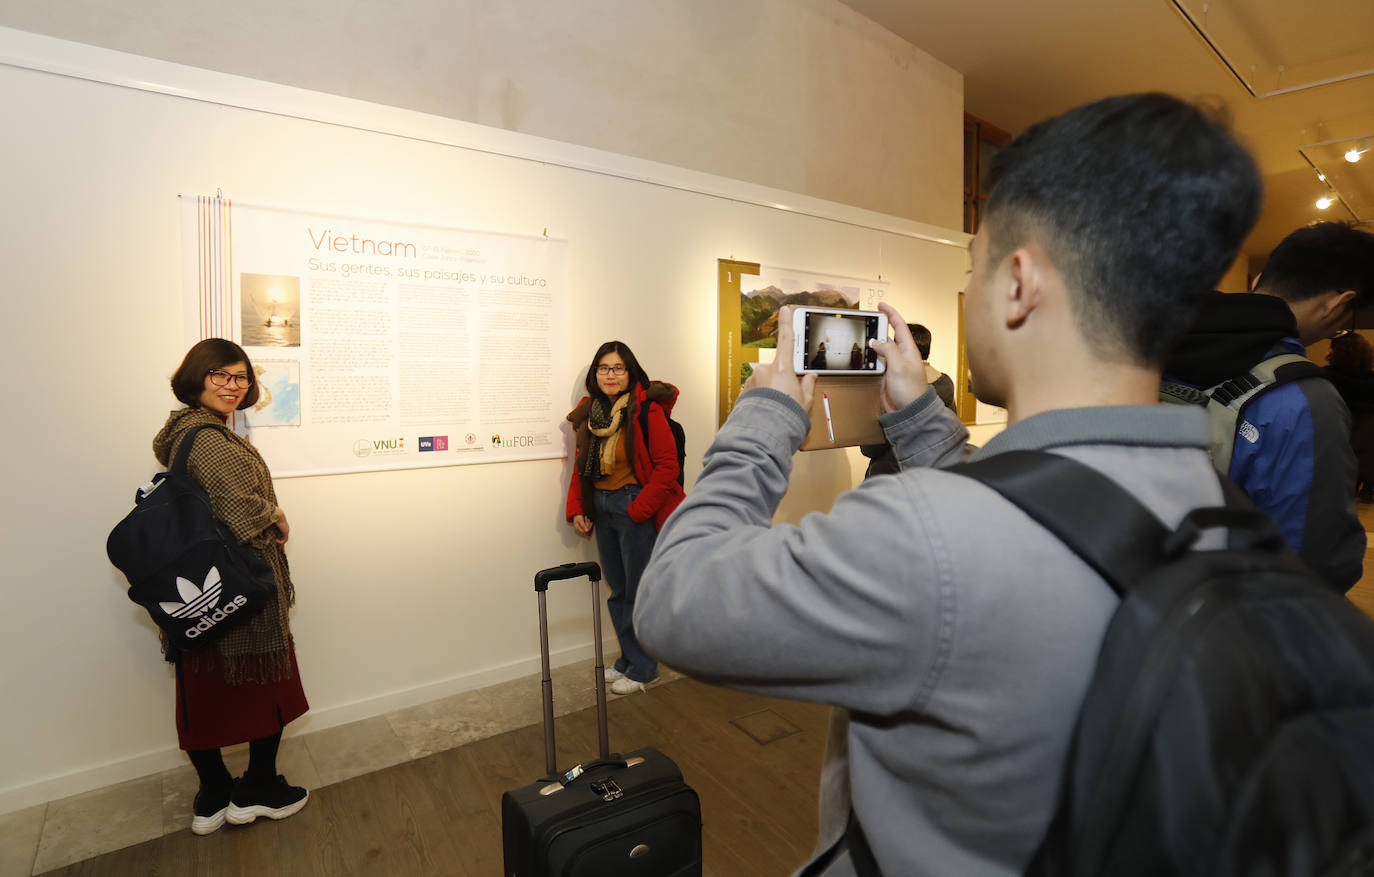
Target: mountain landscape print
758, 307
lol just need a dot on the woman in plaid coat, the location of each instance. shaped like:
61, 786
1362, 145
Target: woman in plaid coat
246, 686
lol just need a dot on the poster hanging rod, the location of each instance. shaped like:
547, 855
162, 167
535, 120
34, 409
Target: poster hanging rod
43, 54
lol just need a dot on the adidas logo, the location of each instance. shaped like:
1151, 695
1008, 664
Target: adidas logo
201, 603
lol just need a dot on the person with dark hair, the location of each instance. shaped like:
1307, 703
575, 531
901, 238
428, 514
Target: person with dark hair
959, 636
1350, 367
624, 486
247, 686
1291, 451
881, 459
818, 361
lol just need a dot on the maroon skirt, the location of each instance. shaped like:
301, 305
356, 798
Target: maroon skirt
211, 713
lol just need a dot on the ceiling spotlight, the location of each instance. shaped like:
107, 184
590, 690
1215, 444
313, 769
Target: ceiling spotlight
1321, 177
1359, 149
1324, 202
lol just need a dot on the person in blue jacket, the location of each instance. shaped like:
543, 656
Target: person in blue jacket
1292, 452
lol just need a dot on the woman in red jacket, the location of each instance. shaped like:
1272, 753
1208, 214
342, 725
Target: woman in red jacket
624, 486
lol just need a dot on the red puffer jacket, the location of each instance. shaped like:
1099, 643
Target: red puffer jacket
653, 458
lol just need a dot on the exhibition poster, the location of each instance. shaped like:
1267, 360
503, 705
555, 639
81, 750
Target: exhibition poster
750, 297
378, 344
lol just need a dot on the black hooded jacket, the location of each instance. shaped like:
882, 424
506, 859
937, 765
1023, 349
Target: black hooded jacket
1292, 448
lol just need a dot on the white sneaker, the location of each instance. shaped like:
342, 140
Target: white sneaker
613, 675
626, 685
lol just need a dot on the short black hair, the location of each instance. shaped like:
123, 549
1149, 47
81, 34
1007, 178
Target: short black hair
204, 357
921, 335
1141, 201
632, 367
1349, 350
1320, 258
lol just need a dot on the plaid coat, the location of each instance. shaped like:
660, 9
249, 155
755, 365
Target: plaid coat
242, 496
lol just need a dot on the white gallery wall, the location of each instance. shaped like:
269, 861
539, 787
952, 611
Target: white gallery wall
412, 584
806, 96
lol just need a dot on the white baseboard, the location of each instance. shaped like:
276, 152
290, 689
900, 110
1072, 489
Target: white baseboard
148, 763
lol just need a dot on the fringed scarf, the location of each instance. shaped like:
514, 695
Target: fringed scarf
603, 423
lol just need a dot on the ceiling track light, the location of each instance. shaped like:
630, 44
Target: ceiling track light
1329, 193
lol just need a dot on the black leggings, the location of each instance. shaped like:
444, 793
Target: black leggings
262, 762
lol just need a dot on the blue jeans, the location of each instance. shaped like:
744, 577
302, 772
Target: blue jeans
624, 547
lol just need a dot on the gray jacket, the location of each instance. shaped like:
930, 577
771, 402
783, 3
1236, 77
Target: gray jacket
959, 635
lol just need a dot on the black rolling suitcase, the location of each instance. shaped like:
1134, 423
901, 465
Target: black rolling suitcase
618, 816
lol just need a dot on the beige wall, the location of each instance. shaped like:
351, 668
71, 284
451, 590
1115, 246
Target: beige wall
99, 145
801, 95
1236, 278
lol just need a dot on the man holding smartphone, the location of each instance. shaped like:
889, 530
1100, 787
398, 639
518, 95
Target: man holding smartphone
957, 635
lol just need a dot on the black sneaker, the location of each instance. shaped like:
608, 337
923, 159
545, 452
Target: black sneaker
274, 798
210, 808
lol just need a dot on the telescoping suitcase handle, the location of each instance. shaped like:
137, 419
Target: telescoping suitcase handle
589, 568
541, 584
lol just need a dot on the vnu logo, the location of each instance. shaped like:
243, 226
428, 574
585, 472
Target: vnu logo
380, 446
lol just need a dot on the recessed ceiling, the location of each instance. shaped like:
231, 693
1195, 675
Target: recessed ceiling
1023, 62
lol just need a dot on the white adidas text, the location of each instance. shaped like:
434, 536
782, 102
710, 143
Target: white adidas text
216, 617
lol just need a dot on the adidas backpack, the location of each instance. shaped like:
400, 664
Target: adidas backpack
1227, 401
184, 566
1229, 725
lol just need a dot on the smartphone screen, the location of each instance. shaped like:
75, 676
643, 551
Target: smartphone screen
839, 342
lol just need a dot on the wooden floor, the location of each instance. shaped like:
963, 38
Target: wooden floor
754, 761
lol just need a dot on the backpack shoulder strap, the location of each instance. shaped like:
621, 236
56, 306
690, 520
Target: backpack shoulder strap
1227, 401
178, 466
1090, 513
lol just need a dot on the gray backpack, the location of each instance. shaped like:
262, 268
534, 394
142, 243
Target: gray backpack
1227, 401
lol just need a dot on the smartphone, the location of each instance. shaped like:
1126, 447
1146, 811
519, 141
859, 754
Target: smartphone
834, 341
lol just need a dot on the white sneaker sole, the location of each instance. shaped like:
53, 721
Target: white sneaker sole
204, 825
628, 686
243, 815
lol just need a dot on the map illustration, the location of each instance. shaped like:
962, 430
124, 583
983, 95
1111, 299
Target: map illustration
279, 394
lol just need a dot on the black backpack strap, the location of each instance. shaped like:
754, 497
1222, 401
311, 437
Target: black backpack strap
1090, 513
644, 421
178, 466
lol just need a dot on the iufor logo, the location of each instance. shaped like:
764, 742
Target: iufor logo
514, 441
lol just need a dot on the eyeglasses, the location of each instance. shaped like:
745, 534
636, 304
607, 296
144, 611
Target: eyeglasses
610, 369
221, 378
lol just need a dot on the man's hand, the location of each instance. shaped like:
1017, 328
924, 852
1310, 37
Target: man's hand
905, 378
583, 525
779, 374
